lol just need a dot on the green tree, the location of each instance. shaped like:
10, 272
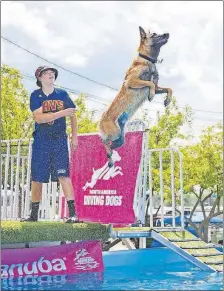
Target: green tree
203, 175
84, 117
168, 126
15, 113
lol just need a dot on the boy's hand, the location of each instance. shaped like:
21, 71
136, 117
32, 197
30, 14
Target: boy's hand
74, 143
69, 112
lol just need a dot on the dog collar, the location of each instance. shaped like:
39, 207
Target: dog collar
148, 58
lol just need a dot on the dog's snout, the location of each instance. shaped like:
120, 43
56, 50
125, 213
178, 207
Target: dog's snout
166, 35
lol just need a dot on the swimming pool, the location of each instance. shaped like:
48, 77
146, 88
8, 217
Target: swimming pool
146, 269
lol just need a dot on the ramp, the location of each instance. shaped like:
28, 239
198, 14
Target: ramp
193, 249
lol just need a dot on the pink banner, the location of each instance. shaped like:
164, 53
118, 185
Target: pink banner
74, 258
104, 194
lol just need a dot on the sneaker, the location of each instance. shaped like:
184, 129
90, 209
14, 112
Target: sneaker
73, 219
29, 219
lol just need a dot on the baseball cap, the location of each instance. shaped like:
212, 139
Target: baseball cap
42, 69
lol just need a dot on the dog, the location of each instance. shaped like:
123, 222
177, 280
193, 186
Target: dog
140, 84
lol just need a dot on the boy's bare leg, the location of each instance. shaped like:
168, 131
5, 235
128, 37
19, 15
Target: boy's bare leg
36, 190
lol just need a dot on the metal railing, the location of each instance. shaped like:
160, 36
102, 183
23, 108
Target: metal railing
16, 181
176, 184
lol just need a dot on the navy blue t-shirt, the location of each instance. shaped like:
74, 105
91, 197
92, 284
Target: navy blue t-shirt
56, 101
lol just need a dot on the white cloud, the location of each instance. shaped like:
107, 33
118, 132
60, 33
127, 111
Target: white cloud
32, 24
76, 60
100, 38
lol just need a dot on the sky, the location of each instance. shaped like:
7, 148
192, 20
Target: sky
99, 40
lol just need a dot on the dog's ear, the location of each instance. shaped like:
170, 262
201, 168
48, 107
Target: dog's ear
142, 32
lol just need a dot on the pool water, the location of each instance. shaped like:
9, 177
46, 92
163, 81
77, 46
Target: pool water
155, 269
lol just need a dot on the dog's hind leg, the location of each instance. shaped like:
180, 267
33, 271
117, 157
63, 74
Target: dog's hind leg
109, 151
120, 140
113, 134
110, 131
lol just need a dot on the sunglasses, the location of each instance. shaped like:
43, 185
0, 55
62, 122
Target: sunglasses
48, 73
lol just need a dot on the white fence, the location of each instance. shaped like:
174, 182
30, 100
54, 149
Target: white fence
16, 183
16, 194
174, 187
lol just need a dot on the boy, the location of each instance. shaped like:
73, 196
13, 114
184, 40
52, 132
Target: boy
50, 154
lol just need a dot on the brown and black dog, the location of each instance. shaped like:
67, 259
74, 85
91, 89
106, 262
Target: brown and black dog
140, 84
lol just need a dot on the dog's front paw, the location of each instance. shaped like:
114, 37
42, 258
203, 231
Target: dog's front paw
151, 94
167, 101
168, 98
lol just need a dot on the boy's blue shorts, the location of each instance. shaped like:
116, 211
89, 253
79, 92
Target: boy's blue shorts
50, 157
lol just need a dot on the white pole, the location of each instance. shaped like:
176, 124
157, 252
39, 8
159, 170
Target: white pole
15, 206
11, 188
23, 174
150, 189
172, 188
44, 202
161, 186
54, 192
145, 154
181, 190
136, 195
6, 181
140, 191
60, 210
181, 187
48, 200
27, 198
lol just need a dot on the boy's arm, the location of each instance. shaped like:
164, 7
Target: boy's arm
41, 117
74, 138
